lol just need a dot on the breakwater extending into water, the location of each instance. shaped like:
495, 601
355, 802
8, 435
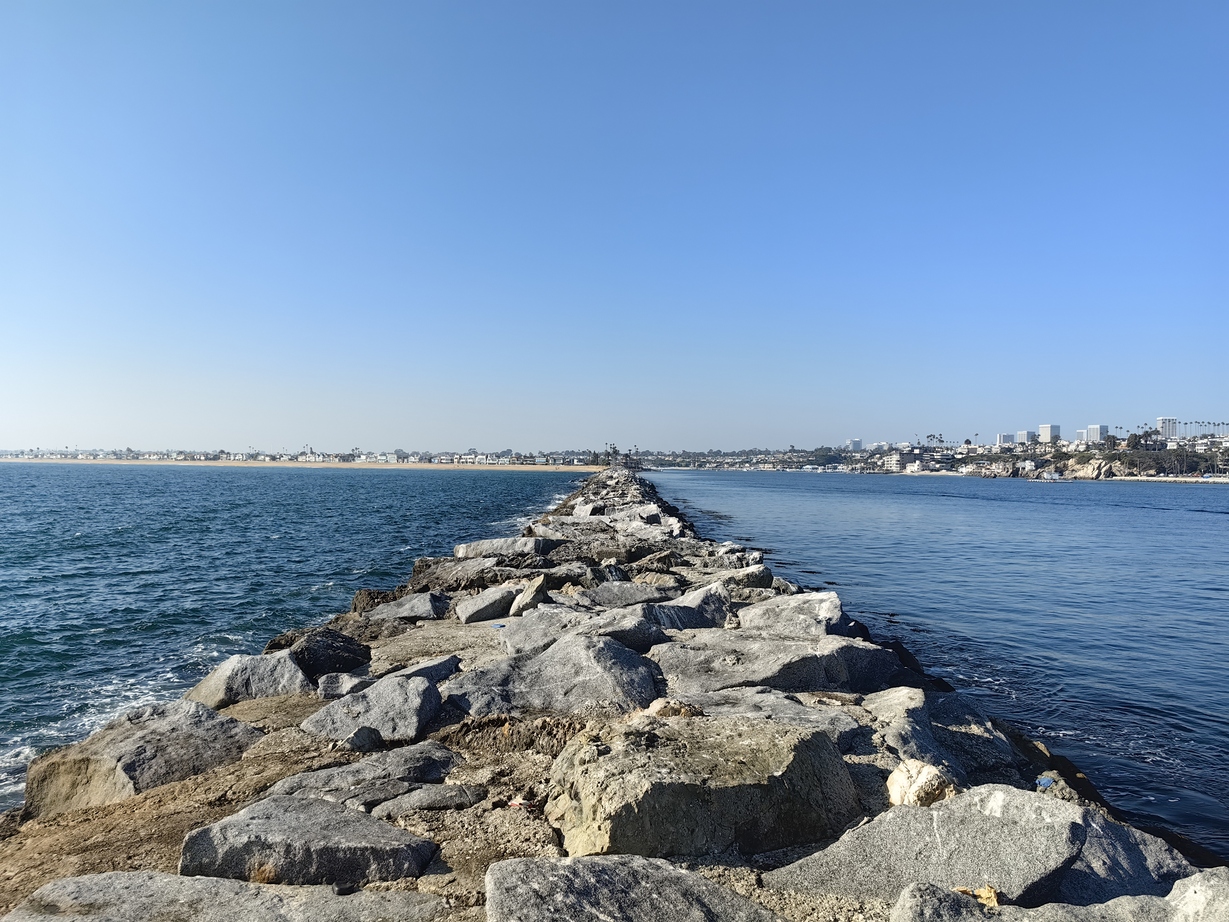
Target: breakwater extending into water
607, 683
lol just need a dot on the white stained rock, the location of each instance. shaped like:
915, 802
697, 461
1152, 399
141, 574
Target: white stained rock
919, 784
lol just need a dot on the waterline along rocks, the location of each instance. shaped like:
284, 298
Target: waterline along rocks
607, 716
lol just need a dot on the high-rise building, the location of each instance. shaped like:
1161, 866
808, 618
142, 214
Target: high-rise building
1168, 426
1048, 433
1004, 438
1098, 433
1081, 435
853, 444
1026, 436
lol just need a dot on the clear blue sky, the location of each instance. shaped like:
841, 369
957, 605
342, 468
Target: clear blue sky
532, 225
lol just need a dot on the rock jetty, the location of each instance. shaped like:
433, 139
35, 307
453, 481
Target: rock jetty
605, 717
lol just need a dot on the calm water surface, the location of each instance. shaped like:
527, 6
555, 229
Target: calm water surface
1094, 615
124, 585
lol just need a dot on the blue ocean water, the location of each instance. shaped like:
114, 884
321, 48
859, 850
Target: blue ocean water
124, 585
1093, 615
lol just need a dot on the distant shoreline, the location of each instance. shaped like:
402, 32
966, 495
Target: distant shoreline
334, 465
1222, 480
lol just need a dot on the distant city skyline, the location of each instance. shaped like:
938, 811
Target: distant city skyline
695, 224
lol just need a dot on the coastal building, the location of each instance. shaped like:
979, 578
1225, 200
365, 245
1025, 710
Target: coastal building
853, 444
1081, 435
1098, 433
1048, 433
1026, 437
893, 463
1168, 426
1004, 438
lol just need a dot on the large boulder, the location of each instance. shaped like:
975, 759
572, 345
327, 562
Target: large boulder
241, 678
448, 574
416, 606
620, 594
323, 650
696, 785
780, 707
1203, 897
142, 896
1017, 842
487, 605
505, 547
302, 840
542, 626
708, 606
436, 670
575, 675
902, 723
378, 778
804, 615
142, 749
431, 797
396, 706
728, 659
626, 888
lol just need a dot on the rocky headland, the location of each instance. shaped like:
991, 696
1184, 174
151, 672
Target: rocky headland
606, 717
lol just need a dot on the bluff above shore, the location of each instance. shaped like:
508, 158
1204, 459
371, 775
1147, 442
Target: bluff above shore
607, 716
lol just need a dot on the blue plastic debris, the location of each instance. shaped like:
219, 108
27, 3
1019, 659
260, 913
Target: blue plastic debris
1044, 783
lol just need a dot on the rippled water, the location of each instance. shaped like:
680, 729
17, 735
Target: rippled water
124, 585
1094, 615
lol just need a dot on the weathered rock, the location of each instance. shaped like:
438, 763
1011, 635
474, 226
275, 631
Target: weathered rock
964, 730
1203, 897
533, 595
780, 707
618, 888
546, 624
434, 670
399, 708
795, 616
417, 606
620, 595
1015, 841
242, 677
378, 778
448, 574
323, 650
334, 685
143, 896
708, 606
505, 547
145, 748
488, 605
728, 659
902, 720
919, 784
699, 785
575, 675
364, 739
303, 840
588, 509
431, 797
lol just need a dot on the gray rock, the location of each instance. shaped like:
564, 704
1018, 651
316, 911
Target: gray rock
902, 720
620, 595
399, 708
302, 840
544, 625
431, 797
323, 650
617, 888
417, 606
334, 685
796, 616
378, 778
965, 731
1018, 842
142, 896
1203, 897
505, 547
488, 605
575, 675
708, 606
728, 659
434, 670
142, 749
448, 574
241, 678
785, 709
533, 595
588, 509
364, 739
698, 785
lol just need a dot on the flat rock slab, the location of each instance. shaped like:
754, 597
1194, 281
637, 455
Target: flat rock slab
1018, 842
505, 547
432, 797
323, 650
708, 606
487, 605
435, 670
144, 748
804, 615
784, 708
302, 840
378, 778
417, 606
696, 786
1203, 897
142, 896
540, 627
334, 685
621, 594
241, 677
614, 888
575, 675
399, 708
729, 659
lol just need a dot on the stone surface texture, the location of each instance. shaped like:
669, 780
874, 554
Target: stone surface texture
398, 707
242, 677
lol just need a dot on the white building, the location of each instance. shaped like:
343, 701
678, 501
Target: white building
1081, 435
1048, 433
853, 444
1098, 433
1026, 437
1168, 426
1004, 438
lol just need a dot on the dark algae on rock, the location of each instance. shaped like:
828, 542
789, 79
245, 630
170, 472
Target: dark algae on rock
606, 716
